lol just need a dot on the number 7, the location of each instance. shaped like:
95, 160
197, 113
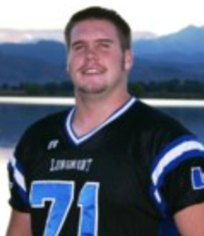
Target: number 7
60, 194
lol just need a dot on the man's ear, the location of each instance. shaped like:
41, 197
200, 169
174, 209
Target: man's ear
128, 59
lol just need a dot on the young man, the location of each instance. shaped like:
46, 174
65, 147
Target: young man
111, 166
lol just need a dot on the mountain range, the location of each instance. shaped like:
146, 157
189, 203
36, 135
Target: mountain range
25, 36
42, 59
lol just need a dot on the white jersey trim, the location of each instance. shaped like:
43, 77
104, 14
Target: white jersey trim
114, 116
18, 176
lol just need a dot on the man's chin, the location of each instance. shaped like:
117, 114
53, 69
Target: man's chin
91, 92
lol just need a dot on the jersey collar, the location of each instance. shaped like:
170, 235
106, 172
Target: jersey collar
78, 140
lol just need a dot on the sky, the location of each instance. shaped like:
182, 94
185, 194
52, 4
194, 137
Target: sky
157, 16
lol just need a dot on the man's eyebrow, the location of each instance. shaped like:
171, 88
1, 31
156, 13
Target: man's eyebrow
101, 40
104, 40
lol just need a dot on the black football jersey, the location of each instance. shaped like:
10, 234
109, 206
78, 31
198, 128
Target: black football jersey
127, 177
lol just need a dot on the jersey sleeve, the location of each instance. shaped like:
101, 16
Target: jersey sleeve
178, 175
187, 184
19, 199
18, 192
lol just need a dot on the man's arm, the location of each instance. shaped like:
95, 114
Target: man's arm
20, 224
190, 221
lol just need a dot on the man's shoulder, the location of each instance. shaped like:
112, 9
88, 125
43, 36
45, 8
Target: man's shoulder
53, 119
44, 126
154, 115
151, 120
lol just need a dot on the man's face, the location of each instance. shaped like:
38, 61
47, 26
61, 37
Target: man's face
96, 61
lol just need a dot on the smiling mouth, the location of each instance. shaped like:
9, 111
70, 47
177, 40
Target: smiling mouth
93, 71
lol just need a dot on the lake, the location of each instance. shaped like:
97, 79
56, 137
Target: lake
15, 118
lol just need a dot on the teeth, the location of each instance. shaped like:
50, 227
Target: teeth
91, 71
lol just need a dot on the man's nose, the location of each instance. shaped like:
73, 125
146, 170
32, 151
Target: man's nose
91, 53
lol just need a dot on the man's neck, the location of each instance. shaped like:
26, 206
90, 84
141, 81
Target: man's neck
91, 113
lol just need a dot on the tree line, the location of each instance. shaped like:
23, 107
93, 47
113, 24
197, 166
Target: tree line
175, 88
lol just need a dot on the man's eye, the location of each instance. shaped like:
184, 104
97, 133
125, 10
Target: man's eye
78, 47
104, 45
